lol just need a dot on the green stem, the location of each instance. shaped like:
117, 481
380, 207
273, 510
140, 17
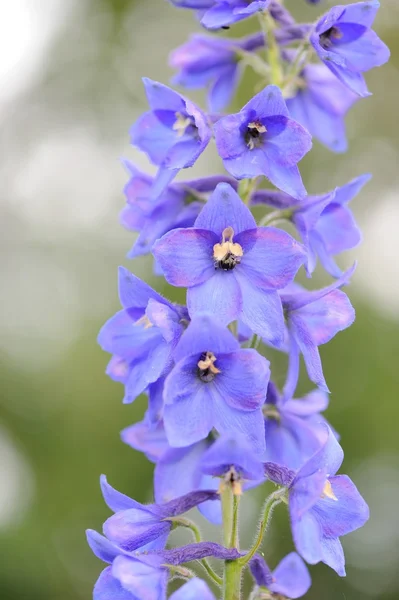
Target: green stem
272, 48
275, 217
232, 580
232, 568
183, 522
227, 512
271, 502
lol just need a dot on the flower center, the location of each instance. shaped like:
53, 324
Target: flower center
206, 367
328, 492
144, 321
227, 254
233, 480
271, 412
327, 38
184, 124
254, 134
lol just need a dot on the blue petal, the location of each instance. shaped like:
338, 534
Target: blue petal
190, 419
177, 472
160, 96
262, 311
153, 137
291, 577
271, 257
344, 515
243, 379
102, 548
307, 538
222, 91
205, 334
135, 293
220, 296
363, 13
195, 589
114, 499
329, 458
141, 580
268, 103
186, 256
232, 450
225, 209
150, 440
333, 555
249, 424
109, 588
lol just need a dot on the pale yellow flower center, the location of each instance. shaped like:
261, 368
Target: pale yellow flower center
181, 124
227, 254
233, 480
328, 492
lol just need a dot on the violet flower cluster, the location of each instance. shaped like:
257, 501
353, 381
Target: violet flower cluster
217, 424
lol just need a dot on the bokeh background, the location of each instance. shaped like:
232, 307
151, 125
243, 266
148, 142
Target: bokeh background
70, 87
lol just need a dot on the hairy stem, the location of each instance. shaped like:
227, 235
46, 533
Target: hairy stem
183, 522
272, 48
232, 568
271, 502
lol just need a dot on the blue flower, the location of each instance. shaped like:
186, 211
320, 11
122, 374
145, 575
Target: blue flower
319, 102
290, 578
173, 133
234, 460
262, 139
313, 318
324, 506
324, 222
177, 471
136, 526
206, 61
214, 384
232, 268
216, 14
347, 45
141, 336
294, 428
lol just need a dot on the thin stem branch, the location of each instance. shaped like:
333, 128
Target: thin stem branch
183, 522
271, 502
272, 50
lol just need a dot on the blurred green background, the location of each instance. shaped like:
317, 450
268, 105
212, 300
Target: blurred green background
70, 75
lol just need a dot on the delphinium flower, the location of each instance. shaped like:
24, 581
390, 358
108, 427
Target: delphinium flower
324, 222
206, 61
319, 102
324, 506
173, 133
136, 526
347, 45
214, 384
216, 425
313, 318
141, 337
234, 461
262, 139
223, 13
294, 428
232, 268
